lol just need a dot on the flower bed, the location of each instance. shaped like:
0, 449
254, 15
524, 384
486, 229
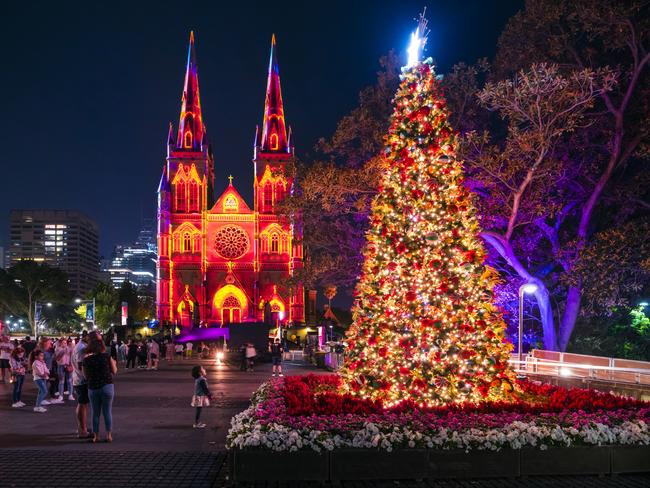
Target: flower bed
307, 413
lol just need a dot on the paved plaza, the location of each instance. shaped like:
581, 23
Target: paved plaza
155, 445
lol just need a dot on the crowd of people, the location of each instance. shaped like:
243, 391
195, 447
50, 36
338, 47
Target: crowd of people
81, 370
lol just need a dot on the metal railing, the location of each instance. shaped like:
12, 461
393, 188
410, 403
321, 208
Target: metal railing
569, 365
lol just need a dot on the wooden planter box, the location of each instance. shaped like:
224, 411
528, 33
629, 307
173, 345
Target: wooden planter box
578, 460
280, 466
474, 464
630, 459
411, 464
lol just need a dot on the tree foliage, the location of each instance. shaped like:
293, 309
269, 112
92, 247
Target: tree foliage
28, 282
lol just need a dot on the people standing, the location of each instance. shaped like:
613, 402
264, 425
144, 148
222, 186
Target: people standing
99, 368
132, 354
64, 369
188, 350
243, 366
169, 350
142, 354
46, 345
80, 386
202, 395
121, 351
29, 345
276, 351
179, 351
18, 364
153, 354
41, 374
250, 356
5, 354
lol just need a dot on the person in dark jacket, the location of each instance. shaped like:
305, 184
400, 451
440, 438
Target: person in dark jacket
132, 354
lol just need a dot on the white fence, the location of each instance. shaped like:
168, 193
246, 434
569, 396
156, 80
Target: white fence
569, 365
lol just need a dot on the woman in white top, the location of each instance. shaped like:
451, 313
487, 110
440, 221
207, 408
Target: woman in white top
62, 355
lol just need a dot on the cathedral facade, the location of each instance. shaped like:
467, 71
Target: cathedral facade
221, 261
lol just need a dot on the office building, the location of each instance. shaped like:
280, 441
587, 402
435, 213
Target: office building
64, 239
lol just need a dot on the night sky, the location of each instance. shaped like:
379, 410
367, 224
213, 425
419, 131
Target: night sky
89, 89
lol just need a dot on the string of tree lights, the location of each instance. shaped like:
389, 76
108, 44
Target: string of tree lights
425, 329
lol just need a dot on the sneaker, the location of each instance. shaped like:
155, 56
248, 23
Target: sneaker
273, 375
71, 398
59, 398
66, 392
280, 375
45, 402
200, 425
40, 409
21, 404
16, 405
56, 401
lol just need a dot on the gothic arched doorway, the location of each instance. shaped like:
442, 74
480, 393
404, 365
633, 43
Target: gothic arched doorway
230, 304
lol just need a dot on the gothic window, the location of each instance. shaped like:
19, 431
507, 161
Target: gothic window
274, 142
187, 242
197, 242
284, 244
177, 243
230, 302
180, 196
279, 191
230, 204
187, 142
268, 197
194, 196
231, 242
274, 243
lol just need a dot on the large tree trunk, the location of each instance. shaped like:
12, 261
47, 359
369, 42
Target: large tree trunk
542, 296
571, 312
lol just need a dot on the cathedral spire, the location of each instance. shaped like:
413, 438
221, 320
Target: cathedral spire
274, 132
190, 126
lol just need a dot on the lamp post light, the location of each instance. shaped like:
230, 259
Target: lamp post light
36, 303
526, 288
79, 301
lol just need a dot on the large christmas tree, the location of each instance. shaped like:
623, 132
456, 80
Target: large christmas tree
425, 329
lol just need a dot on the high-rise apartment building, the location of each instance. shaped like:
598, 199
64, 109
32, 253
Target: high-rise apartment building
136, 262
64, 239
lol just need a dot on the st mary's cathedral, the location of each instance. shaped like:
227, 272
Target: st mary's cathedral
219, 260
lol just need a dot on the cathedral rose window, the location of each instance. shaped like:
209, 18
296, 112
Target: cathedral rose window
231, 242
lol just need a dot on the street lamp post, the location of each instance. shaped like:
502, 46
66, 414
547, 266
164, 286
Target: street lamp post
79, 301
36, 302
526, 288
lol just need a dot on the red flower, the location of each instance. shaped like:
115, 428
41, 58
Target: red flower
404, 343
410, 296
382, 352
404, 371
401, 248
426, 322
